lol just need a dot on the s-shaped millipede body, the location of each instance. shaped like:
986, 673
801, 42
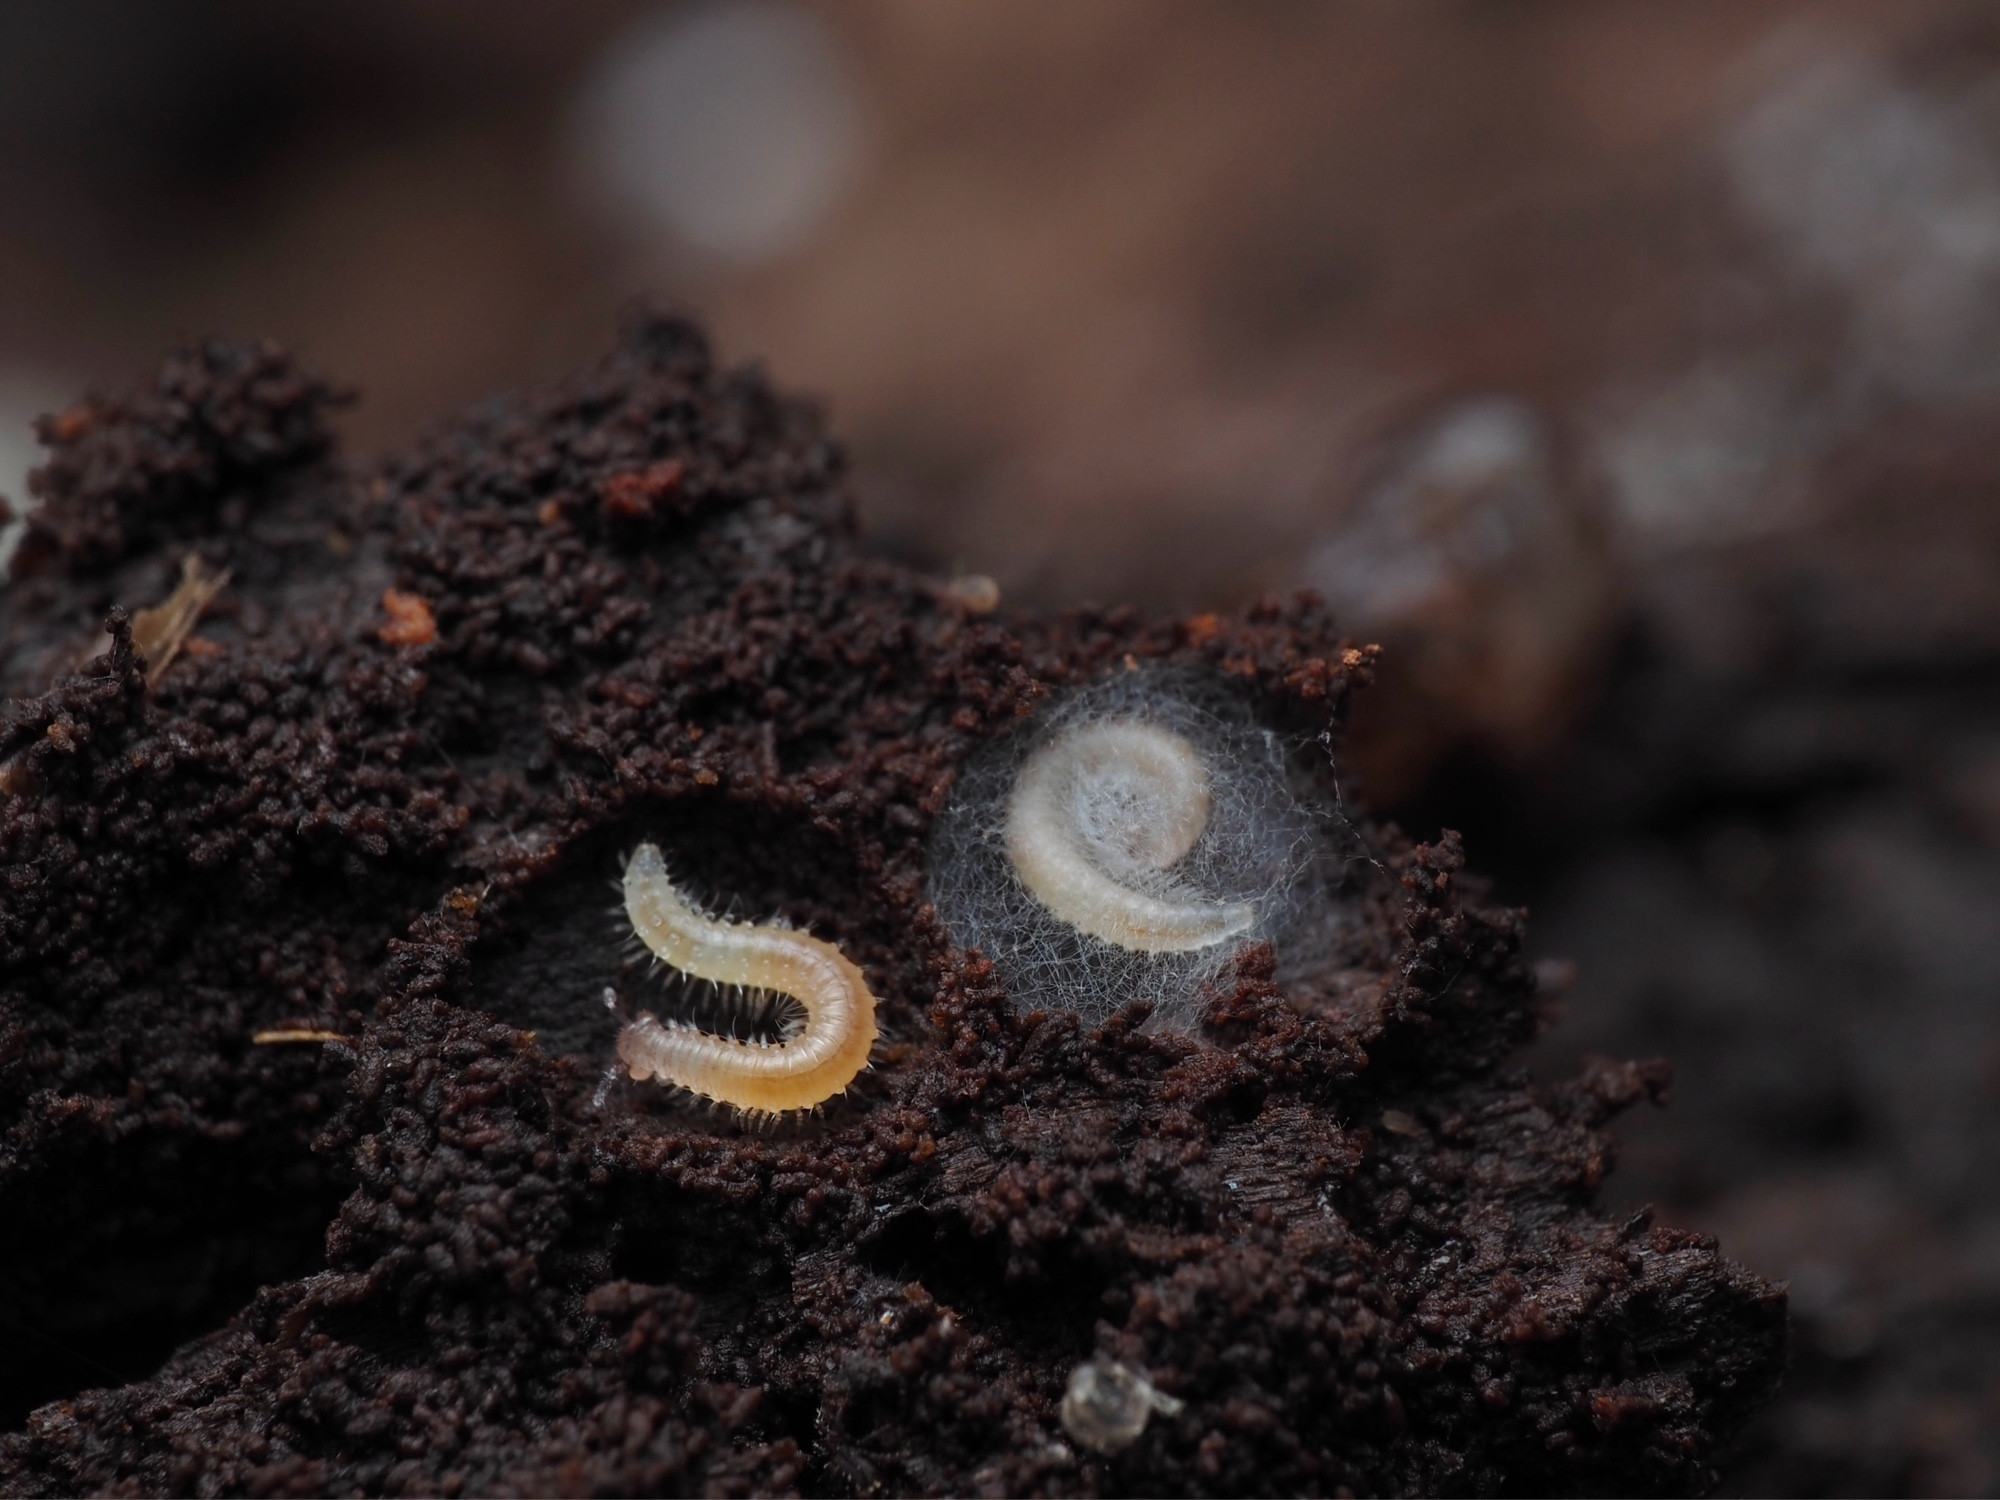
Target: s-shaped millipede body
817, 1061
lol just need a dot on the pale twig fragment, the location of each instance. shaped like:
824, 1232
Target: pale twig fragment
975, 593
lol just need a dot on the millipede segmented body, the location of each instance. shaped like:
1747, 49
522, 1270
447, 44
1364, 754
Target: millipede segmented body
1129, 843
1095, 820
811, 1065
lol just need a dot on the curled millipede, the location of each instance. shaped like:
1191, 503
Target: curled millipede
1130, 844
1102, 812
807, 1067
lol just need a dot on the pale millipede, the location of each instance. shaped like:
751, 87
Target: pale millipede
1102, 812
801, 1070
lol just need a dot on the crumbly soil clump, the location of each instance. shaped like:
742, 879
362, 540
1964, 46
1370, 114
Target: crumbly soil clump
379, 799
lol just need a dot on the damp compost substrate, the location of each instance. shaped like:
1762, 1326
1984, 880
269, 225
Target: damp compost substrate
421, 1255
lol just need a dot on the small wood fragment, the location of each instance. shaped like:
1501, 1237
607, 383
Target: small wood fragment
974, 593
284, 1034
158, 633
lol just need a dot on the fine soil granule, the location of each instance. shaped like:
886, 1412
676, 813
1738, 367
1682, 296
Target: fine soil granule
378, 801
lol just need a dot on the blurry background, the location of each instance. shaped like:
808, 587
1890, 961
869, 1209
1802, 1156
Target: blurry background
1631, 370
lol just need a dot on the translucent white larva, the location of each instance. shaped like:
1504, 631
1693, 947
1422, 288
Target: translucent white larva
1104, 810
807, 1068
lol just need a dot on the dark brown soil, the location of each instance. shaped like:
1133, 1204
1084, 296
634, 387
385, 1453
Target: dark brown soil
1359, 1248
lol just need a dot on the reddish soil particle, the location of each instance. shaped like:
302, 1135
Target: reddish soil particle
410, 620
524, 1293
638, 494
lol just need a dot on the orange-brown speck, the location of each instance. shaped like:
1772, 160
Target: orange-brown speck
68, 426
411, 622
633, 495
